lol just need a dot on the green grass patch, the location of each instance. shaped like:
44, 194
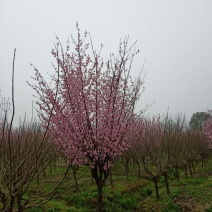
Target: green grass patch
128, 195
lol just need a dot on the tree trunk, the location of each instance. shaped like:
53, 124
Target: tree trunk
156, 187
139, 171
50, 167
127, 169
205, 160
44, 173
115, 167
186, 173
38, 179
75, 179
111, 179
166, 182
192, 164
100, 176
100, 198
20, 208
177, 174
11, 203
190, 170
54, 165
125, 162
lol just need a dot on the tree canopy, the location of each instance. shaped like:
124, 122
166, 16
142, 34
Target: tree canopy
198, 119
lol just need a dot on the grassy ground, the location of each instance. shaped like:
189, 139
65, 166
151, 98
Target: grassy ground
190, 194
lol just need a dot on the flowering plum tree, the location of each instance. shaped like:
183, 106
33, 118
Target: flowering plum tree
207, 129
93, 102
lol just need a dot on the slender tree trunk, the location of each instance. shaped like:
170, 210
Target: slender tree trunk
125, 162
75, 179
177, 174
190, 169
203, 161
111, 179
192, 164
44, 173
54, 165
206, 159
11, 204
127, 169
139, 171
115, 167
165, 175
38, 179
100, 198
20, 208
50, 167
186, 173
100, 176
156, 187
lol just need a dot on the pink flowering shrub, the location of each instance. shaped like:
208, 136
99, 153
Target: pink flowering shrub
207, 129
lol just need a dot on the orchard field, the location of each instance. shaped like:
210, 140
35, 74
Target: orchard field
91, 150
192, 193
51, 183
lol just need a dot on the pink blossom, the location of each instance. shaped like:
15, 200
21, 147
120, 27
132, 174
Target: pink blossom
89, 109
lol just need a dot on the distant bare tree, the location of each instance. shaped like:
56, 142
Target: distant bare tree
24, 154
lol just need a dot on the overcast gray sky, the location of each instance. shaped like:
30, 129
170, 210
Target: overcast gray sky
175, 37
